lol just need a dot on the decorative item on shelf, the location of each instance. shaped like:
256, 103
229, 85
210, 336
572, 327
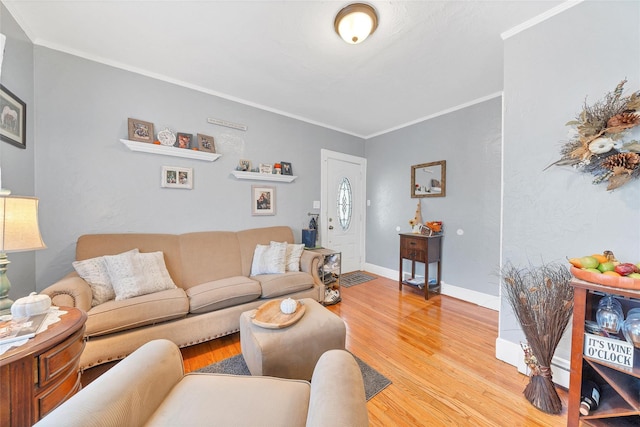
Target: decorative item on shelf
605, 143
244, 165
542, 301
286, 168
266, 168
288, 306
167, 137
140, 131
432, 227
416, 221
277, 169
19, 232
206, 143
184, 140
609, 315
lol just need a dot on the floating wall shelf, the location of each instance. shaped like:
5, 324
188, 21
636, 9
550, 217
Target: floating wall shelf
170, 151
256, 176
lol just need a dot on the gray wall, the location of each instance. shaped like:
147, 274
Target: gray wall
89, 182
549, 70
470, 141
17, 164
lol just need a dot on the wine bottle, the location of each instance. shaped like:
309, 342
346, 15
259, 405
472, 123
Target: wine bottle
589, 397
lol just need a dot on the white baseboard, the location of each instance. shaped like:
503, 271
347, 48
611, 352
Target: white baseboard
512, 354
488, 301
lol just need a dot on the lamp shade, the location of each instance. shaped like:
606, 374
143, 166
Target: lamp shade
19, 229
356, 22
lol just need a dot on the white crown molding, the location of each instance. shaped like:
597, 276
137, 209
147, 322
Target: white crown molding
540, 18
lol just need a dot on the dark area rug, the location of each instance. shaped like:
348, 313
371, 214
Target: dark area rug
355, 278
374, 382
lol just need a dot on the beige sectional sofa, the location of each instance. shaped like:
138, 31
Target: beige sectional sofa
149, 388
213, 286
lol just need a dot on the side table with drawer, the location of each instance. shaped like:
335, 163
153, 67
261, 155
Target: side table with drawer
423, 249
42, 373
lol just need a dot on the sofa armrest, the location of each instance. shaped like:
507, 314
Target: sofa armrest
337, 392
309, 262
70, 291
126, 395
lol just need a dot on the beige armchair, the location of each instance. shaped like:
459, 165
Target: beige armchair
149, 387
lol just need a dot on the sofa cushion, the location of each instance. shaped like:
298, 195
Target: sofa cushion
269, 259
133, 274
114, 316
234, 400
294, 252
275, 285
94, 272
222, 293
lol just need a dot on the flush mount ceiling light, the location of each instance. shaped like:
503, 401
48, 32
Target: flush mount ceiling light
356, 22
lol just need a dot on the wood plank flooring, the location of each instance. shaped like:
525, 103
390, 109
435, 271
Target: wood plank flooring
439, 354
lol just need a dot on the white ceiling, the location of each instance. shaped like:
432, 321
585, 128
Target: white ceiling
284, 56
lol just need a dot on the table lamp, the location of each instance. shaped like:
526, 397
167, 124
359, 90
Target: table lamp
19, 232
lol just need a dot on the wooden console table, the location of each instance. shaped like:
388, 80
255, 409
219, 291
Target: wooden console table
38, 376
423, 249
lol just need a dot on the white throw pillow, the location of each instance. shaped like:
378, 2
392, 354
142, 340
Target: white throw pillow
135, 274
94, 272
269, 259
294, 252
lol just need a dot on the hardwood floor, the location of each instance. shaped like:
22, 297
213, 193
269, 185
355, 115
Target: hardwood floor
439, 354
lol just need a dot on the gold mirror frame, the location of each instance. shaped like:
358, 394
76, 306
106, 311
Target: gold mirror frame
427, 183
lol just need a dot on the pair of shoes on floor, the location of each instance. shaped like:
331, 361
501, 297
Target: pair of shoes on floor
331, 296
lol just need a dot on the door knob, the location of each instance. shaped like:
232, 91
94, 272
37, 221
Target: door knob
331, 227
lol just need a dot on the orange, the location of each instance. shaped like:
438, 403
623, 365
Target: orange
612, 273
601, 258
575, 262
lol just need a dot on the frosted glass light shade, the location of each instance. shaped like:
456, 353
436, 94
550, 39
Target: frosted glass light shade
19, 229
356, 22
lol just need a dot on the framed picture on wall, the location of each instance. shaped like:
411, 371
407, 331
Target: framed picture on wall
205, 143
175, 177
13, 119
263, 200
140, 131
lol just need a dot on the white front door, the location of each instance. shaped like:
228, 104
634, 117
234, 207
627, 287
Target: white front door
342, 214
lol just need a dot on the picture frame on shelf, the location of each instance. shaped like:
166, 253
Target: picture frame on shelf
13, 119
286, 168
266, 168
263, 200
140, 131
206, 143
177, 177
184, 140
244, 165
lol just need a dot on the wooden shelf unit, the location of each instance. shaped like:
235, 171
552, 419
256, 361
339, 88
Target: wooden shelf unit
423, 249
620, 386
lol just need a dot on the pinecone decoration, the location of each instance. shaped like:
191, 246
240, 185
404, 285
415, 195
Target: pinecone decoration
624, 120
627, 161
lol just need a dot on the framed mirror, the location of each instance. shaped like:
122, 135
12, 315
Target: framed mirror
428, 179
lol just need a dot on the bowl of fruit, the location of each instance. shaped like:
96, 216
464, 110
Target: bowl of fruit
605, 269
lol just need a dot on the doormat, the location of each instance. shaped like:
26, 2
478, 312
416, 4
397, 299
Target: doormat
374, 381
355, 278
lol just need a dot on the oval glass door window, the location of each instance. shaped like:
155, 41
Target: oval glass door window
345, 198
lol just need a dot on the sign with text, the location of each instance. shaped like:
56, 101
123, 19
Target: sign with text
608, 350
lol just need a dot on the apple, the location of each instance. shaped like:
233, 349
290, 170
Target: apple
626, 268
607, 266
593, 270
589, 262
634, 275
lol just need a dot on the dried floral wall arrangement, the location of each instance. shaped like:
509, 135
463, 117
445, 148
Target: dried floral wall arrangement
602, 145
542, 301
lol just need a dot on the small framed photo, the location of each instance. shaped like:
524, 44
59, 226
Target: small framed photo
263, 200
265, 168
13, 118
175, 177
184, 140
140, 131
286, 168
244, 165
205, 143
